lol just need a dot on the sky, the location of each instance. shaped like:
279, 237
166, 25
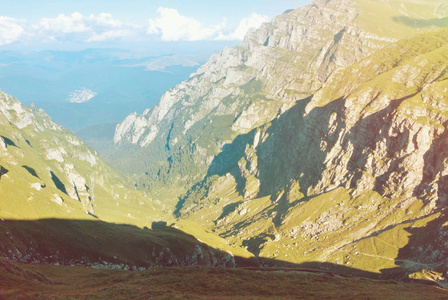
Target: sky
56, 24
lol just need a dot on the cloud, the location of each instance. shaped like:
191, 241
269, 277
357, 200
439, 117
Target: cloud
253, 21
172, 26
106, 20
93, 28
169, 25
81, 95
10, 30
76, 22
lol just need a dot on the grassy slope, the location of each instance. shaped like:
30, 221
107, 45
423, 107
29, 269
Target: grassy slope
205, 283
394, 18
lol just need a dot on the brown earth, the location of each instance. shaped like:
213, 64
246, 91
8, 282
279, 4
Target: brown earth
62, 282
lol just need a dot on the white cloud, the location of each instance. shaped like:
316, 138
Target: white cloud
106, 20
64, 24
93, 28
253, 21
81, 95
10, 30
172, 26
169, 25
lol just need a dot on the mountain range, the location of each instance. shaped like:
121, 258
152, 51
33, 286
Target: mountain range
318, 143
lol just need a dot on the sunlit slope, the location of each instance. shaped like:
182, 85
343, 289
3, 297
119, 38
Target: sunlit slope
354, 175
50, 173
394, 18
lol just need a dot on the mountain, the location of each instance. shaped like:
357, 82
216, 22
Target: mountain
174, 143
318, 139
61, 204
318, 143
354, 175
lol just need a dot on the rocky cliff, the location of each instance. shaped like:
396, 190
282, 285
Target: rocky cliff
244, 87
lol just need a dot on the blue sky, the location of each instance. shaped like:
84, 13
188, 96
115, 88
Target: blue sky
93, 23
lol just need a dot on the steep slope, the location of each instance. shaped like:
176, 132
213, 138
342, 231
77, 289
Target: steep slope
61, 204
44, 160
354, 175
283, 61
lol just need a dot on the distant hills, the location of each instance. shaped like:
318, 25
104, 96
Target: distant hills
94, 86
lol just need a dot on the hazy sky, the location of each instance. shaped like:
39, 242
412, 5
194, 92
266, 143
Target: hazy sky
92, 23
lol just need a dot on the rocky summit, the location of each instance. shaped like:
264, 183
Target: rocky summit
318, 143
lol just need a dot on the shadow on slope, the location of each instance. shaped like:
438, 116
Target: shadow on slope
103, 245
426, 252
416, 23
3, 171
200, 282
8, 142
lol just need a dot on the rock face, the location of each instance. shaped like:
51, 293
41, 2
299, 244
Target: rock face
244, 87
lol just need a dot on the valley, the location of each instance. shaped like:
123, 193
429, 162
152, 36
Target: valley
308, 161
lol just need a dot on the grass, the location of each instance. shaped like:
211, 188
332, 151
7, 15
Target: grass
397, 19
206, 283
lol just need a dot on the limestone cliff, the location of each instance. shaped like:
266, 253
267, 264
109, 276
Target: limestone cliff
246, 86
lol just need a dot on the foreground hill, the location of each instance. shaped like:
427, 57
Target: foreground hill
199, 283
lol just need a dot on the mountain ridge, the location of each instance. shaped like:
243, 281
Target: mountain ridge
244, 87
334, 176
